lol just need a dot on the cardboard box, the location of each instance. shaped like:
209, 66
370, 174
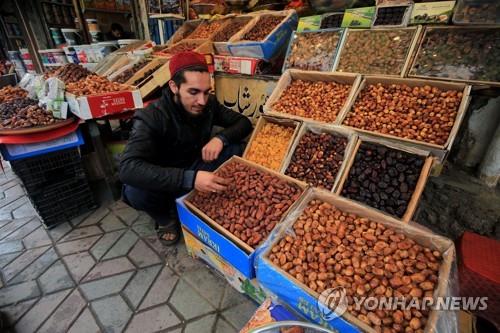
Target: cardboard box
305, 300
296, 74
101, 105
227, 245
412, 47
465, 89
422, 179
263, 120
338, 131
271, 45
222, 48
438, 12
236, 65
358, 17
197, 249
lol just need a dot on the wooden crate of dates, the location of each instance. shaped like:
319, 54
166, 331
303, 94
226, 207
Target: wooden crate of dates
152, 76
462, 54
385, 51
385, 176
331, 242
207, 29
320, 154
185, 30
254, 203
422, 113
271, 141
312, 96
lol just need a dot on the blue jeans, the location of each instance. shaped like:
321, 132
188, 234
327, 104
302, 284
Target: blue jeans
161, 205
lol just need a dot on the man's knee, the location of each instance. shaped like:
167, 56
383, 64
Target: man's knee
145, 200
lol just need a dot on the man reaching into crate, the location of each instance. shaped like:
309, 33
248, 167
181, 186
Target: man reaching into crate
171, 151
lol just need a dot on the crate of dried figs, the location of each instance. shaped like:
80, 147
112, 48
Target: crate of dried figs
464, 54
231, 28
386, 176
319, 155
254, 202
265, 36
423, 113
385, 51
332, 254
271, 141
312, 96
313, 50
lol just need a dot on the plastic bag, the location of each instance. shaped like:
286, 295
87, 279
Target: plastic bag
52, 96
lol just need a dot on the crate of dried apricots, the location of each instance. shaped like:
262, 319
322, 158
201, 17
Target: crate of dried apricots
265, 36
353, 269
312, 96
319, 155
271, 141
95, 96
236, 221
419, 112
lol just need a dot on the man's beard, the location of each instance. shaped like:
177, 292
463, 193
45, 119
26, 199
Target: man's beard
177, 100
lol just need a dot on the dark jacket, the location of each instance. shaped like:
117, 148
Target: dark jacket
165, 141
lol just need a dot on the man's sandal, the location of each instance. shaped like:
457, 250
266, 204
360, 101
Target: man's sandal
163, 231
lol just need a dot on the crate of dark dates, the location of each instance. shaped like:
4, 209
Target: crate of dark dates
229, 30
389, 16
419, 113
385, 51
265, 36
464, 54
318, 155
313, 50
477, 12
386, 176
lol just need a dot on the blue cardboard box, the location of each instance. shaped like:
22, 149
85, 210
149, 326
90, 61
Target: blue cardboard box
269, 47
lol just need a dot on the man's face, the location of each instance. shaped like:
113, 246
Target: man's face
193, 94
116, 33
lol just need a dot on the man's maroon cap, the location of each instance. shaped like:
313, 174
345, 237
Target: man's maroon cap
184, 60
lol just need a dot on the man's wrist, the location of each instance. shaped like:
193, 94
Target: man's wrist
222, 138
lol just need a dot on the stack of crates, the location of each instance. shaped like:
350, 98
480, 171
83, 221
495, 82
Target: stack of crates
56, 184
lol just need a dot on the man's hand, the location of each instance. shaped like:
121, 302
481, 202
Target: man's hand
209, 182
212, 150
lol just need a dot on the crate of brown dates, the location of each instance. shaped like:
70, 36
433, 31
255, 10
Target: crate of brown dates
184, 31
196, 45
235, 222
316, 97
207, 29
421, 113
320, 154
385, 51
386, 176
332, 252
265, 36
231, 28
153, 75
271, 141
96, 97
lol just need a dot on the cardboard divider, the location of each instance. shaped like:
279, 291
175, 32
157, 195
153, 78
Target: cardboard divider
338, 131
247, 248
422, 179
385, 80
419, 235
263, 120
294, 74
409, 55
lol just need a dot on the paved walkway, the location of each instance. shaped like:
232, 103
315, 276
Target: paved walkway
104, 272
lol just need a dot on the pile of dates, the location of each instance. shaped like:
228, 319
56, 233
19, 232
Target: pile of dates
9, 93
127, 74
70, 73
231, 29
252, 205
206, 29
24, 113
94, 84
265, 25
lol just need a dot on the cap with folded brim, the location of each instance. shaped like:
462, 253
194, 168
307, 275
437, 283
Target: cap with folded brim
185, 60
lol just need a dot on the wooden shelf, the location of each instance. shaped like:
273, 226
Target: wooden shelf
111, 11
166, 16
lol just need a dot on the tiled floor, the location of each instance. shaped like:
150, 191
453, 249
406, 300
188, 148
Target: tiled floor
104, 272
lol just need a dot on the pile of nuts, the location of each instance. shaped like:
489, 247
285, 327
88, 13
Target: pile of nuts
252, 205
28, 116
270, 145
94, 84
70, 73
147, 74
317, 159
419, 113
318, 100
127, 74
313, 51
264, 26
231, 29
9, 93
331, 248
206, 29
477, 12
460, 54
384, 52
383, 178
